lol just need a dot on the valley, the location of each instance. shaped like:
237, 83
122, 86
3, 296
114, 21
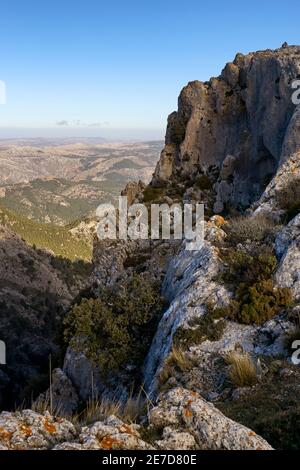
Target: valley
47, 188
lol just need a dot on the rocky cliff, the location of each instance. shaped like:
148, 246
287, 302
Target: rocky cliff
236, 129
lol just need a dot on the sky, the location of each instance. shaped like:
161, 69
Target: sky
115, 69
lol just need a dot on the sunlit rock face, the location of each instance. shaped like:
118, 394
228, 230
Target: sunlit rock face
236, 128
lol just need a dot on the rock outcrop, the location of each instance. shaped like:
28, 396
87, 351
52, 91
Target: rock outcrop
188, 422
186, 411
236, 128
189, 285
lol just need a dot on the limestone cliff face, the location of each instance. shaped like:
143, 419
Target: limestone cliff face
236, 128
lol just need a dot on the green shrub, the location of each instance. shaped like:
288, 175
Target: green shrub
242, 267
177, 361
118, 326
256, 304
256, 299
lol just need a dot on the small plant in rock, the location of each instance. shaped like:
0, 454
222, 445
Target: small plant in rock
176, 361
153, 194
242, 371
98, 409
271, 408
200, 329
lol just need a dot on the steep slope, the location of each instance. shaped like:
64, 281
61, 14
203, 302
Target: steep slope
55, 239
35, 290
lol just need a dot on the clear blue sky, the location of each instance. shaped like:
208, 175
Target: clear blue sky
116, 68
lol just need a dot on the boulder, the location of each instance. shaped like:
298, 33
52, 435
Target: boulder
187, 411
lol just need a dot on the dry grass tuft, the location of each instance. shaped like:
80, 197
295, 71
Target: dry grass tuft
177, 360
99, 409
243, 371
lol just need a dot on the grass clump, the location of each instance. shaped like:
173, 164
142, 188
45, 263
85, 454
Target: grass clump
242, 369
109, 329
177, 361
98, 409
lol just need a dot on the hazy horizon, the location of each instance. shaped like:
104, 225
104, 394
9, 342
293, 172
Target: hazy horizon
82, 133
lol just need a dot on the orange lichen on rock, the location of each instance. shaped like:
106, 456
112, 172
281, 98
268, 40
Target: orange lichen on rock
25, 430
5, 435
126, 429
187, 413
109, 443
218, 220
49, 426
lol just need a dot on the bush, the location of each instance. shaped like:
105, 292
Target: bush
288, 199
256, 298
109, 329
255, 229
242, 267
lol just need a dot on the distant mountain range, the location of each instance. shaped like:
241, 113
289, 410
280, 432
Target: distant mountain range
61, 182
